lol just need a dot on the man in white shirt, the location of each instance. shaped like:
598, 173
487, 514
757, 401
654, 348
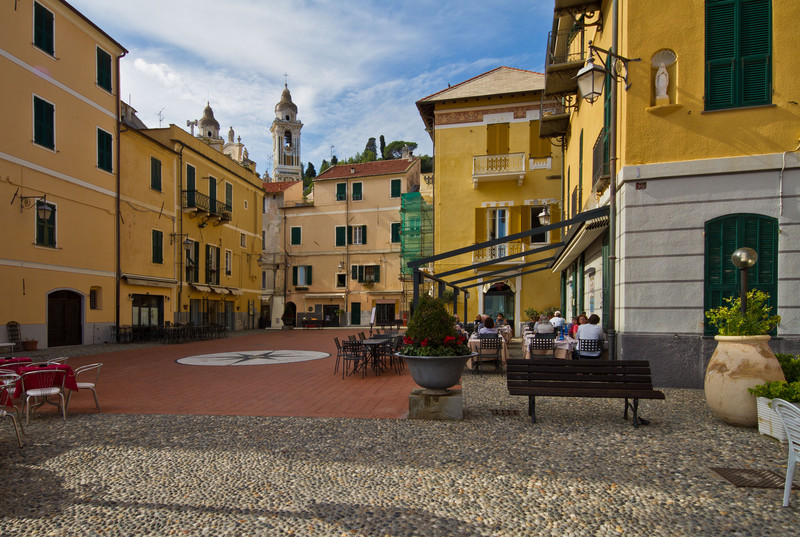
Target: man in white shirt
557, 321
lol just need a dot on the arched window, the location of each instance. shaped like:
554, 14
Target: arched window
723, 235
287, 139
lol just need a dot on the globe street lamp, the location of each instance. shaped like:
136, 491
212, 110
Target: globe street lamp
744, 258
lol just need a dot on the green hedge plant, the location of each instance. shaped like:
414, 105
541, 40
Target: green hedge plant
757, 321
789, 389
431, 332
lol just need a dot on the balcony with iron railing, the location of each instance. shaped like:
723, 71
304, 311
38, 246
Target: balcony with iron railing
600, 160
199, 202
505, 167
566, 54
500, 250
554, 119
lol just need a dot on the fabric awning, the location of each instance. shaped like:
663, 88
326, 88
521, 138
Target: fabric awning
203, 288
586, 235
220, 290
235, 292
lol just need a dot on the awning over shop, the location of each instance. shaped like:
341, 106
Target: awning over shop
325, 295
203, 288
235, 292
581, 237
220, 290
149, 282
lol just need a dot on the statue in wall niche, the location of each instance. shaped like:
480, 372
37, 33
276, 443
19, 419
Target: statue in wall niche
662, 83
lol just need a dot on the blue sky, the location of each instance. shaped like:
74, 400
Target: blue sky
355, 68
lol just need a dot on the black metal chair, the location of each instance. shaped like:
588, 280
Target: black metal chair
339, 354
542, 347
353, 353
589, 345
490, 350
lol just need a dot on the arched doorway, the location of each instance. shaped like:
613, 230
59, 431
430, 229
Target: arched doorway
64, 319
289, 316
499, 298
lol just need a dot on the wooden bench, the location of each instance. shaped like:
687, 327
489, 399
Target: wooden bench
628, 379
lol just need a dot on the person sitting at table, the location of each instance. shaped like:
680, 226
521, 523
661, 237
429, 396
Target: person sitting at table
557, 320
572, 328
478, 322
544, 326
590, 330
500, 320
488, 327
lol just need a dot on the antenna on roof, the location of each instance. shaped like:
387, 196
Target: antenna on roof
161, 116
332, 150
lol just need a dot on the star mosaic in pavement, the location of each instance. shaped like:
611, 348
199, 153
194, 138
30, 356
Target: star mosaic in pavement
257, 357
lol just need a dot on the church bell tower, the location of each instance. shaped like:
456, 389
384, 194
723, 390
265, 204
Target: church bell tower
285, 131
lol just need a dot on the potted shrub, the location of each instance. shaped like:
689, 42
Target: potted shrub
742, 358
769, 422
30, 344
434, 351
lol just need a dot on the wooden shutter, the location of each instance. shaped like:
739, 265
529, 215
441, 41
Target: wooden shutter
294, 276
349, 234
755, 29
720, 54
363, 234
155, 174
341, 236
497, 138
229, 196
158, 247
377, 273
103, 69
308, 274
354, 272
357, 191
396, 188
43, 29
43, 123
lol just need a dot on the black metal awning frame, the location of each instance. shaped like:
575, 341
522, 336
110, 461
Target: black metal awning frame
420, 275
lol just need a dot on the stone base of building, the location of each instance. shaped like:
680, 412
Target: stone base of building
422, 406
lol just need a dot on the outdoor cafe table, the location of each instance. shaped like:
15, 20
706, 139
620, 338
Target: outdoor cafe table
563, 347
475, 346
505, 331
69, 381
373, 344
14, 363
9, 346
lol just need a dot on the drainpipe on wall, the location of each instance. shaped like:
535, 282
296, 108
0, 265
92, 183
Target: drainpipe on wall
612, 195
180, 233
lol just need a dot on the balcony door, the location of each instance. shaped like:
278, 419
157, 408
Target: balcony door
498, 228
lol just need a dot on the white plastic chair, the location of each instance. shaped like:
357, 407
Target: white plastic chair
88, 369
790, 415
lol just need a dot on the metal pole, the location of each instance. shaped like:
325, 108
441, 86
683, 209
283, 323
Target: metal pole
743, 272
612, 200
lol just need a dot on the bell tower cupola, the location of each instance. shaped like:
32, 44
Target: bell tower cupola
285, 131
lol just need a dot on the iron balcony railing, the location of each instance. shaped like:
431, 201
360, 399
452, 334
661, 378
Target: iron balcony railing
501, 250
192, 199
566, 53
600, 157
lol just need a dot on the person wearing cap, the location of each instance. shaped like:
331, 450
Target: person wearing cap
557, 321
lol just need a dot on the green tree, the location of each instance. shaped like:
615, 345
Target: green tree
334, 160
311, 172
371, 146
395, 149
324, 166
426, 164
383, 146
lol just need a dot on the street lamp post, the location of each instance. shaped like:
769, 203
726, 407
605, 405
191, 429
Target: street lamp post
743, 259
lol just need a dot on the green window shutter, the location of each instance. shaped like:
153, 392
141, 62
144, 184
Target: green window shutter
720, 54
155, 174
104, 152
349, 234
208, 263
294, 276
395, 231
229, 196
158, 246
341, 192
357, 191
354, 272
297, 235
723, 236
308, 275
606, 282
341, 235
43, 29
377, 273
755, 44
361, 273
363, 234
217, 261
43, 123
103, 69
396, 187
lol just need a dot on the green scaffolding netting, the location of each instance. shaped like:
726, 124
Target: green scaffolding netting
416, 235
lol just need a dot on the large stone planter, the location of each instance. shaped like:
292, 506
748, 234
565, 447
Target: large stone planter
739, 363
436, 373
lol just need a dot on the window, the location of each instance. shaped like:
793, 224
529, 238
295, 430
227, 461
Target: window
229, 197
263, 279
536, 221
95, 298
356, 234
104, 152
43, 29
297, 235
395, 231
212, 264
155, 174
357, 191
46, 229
723, 236
158, 247
396, 188
242, 240
103, 69
192, 263
341, 235
341, 280
341, 191
263, 239
365, 273
497, 138
228, 262
264, 205
738, 53
44, 120
301, 275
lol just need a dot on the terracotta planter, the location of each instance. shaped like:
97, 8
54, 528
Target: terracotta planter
30, 344
436, 373
739, 363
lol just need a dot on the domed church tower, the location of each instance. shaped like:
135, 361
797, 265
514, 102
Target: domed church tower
285, 131
208, 128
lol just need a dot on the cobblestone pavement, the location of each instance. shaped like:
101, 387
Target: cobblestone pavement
580, 470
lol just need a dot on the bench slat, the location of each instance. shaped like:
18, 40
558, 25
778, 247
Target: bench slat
608, 394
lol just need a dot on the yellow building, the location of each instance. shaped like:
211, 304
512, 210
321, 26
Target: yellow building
58, 153
191, 237
494, 177
343, 246
691, 146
